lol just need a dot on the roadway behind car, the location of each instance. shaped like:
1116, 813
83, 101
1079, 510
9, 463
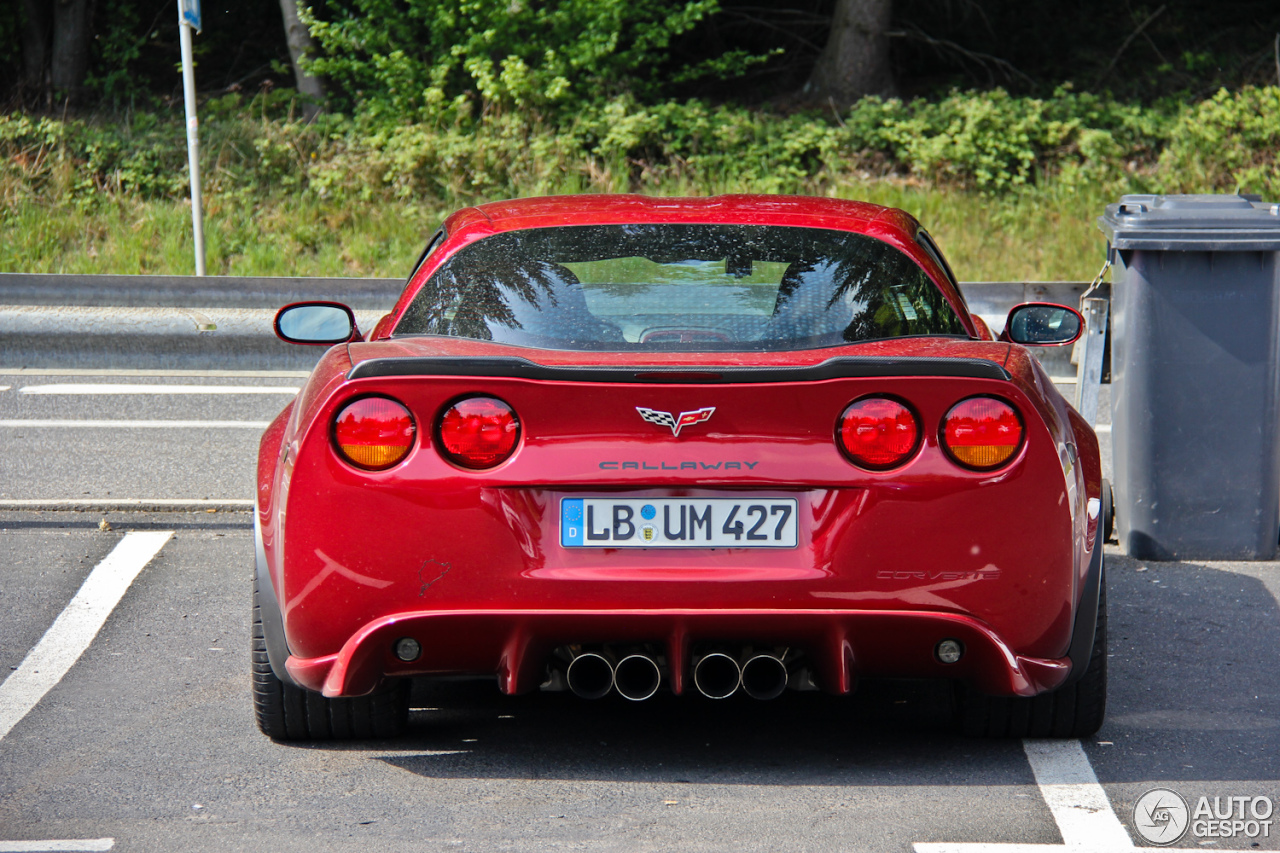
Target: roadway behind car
174, 435
177, 435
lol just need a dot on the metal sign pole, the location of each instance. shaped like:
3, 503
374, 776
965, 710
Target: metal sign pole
189, 17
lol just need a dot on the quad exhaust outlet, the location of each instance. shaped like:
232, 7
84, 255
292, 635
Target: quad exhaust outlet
639, 674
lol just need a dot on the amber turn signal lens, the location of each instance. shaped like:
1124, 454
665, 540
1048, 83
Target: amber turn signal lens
374, 433
982, 432
478, 432
878, 433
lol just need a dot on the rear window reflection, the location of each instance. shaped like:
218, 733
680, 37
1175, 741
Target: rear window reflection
679, 287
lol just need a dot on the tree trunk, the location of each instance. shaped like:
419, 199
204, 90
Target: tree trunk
72, 37
300, 45
855, 61
35, 47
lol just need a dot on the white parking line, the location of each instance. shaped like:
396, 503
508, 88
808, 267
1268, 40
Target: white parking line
1102, 428
58, 845
5, 387
34, 423
1076, 800
82, 389
77, 625
1079, 805
127, 504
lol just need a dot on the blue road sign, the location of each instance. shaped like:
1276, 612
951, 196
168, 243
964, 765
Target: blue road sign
191, 13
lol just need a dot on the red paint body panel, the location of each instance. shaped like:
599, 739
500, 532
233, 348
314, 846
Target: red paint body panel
844, 644
888, 563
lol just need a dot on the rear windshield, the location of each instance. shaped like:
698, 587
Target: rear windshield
679, 287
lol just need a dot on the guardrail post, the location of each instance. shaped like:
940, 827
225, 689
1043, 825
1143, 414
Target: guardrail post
1096, 313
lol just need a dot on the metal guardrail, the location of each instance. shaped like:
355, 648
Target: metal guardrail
162, 321
123, 321
184, 291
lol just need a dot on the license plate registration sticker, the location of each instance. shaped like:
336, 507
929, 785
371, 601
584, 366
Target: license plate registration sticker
754, 522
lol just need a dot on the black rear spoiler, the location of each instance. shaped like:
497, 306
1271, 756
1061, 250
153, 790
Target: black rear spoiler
833, 368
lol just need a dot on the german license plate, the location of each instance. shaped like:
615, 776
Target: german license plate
754, 522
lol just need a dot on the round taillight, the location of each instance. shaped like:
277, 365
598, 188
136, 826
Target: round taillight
878, 433
982, 432
374, 432
478, 432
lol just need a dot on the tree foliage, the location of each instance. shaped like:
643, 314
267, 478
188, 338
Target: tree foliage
411, 58
133, 55
429, 58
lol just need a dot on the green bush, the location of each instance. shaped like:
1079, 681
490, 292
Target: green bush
990, 142
431, 59
1230, 142
995, 142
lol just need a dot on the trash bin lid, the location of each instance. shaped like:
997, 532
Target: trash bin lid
1192, 223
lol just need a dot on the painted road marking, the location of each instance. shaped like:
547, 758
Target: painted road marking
5, 387
82, 389
46, 424
58, 845
92, 371
77, 625
1102, 428
127, 504
1076, 800
1070, 788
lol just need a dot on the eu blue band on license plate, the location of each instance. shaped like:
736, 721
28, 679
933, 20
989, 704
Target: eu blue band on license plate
749, 522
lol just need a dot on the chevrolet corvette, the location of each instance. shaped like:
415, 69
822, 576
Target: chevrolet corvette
618, 445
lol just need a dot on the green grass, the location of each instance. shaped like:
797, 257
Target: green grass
280, 237
1034, 235
1038, 234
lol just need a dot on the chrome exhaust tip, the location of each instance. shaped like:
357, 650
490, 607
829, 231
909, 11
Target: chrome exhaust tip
764, 677
590, 676
637, 677
717, 676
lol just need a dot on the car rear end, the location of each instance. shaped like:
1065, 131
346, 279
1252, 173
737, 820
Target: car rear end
770, 529
696, 458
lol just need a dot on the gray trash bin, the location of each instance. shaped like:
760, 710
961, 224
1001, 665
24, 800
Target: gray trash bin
1195, 375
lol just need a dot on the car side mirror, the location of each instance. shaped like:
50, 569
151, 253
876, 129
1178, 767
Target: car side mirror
316, 323
1042, 324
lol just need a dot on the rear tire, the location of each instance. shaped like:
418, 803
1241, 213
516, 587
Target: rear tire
287, 712
1074, 711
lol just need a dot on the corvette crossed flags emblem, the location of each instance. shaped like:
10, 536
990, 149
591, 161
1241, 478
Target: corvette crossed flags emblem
676, 422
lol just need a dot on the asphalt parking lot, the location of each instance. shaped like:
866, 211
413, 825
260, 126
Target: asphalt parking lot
147, 741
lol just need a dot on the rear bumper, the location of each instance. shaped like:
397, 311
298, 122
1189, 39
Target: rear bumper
840, 645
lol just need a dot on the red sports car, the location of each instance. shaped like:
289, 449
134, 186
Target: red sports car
616, 444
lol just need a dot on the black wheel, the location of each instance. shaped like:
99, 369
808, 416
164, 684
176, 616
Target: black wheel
287, 712
1074, 711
